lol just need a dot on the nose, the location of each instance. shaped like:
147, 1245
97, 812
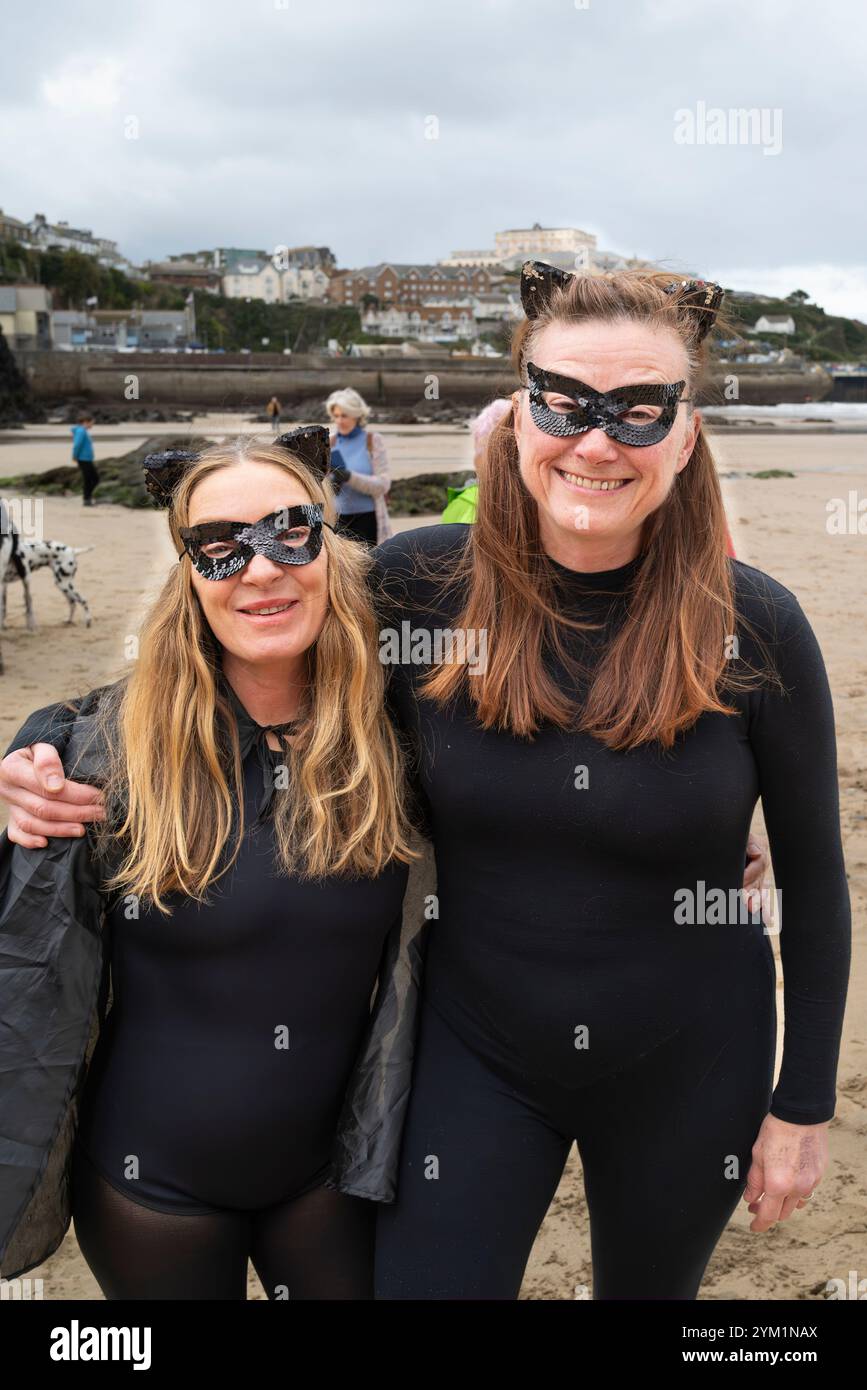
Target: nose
262, 572
594, 446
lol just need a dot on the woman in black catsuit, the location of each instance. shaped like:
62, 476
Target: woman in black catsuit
210, 1105
592, 975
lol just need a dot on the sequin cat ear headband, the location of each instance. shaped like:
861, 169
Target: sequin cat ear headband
163, 471
539, 281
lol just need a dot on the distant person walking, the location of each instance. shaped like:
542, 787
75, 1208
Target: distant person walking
82, 453
360, 468
274, 410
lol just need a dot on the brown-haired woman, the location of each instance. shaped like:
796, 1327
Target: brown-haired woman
592, 975
252, 861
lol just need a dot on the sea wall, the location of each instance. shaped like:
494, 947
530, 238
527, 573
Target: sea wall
218, 382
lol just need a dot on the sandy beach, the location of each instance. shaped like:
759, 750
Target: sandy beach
779, 525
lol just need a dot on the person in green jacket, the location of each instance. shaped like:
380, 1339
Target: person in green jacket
462, 500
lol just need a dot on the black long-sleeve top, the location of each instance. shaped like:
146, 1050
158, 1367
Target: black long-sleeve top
235, 1023
557, 904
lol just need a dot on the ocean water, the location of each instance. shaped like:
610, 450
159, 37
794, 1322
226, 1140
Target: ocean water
812, 410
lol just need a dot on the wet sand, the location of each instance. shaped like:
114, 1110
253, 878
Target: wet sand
779, 525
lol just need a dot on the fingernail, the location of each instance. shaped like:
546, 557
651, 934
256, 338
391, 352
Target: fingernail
53, 782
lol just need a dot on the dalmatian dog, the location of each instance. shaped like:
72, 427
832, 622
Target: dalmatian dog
19, 558
7, 545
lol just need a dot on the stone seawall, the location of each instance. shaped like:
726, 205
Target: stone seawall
218, 382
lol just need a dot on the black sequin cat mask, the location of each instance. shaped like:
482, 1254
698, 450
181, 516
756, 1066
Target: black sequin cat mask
163, 471
636, 415
218, 549
291, 536
700, 300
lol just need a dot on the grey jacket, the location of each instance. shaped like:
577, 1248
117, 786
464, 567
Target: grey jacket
55, 995
375, 484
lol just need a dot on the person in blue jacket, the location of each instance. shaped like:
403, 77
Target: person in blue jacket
82, 453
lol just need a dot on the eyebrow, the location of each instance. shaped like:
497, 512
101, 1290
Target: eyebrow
222, 521
623, 386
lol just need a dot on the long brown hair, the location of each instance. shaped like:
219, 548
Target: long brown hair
169, 732
669, 661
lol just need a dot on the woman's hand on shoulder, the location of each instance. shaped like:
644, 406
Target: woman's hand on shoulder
42, 801
754, 873
788, 1163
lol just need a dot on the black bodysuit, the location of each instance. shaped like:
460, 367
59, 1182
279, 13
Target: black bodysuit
562, 997
218, 1079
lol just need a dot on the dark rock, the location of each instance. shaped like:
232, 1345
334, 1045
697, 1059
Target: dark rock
16, 405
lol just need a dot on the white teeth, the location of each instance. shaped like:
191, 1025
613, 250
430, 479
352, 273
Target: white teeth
608, 485
261, 612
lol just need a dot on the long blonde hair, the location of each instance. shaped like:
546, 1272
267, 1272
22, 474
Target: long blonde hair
668, 663
169, 733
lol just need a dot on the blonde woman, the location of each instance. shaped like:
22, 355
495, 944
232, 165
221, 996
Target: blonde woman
238, 894
359, 466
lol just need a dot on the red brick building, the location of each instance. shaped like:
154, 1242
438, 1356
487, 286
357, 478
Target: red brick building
402, 286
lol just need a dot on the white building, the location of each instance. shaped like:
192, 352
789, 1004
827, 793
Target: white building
537, 242
564, 246
568, 248
59, 236
258, 277
428, 322
471, 258
26, 316
124, 330
499, 307
774, 323
304, 282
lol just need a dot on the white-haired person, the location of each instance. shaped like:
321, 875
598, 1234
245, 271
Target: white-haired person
360, 466
483, 423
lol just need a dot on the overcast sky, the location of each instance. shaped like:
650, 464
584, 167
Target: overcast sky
267, 122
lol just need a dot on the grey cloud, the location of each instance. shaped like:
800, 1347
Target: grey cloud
261, 125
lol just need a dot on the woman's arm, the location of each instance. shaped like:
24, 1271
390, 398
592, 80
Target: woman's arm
377, 483
42, 801
792, 737
793, 741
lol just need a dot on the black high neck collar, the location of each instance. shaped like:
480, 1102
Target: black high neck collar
587, 582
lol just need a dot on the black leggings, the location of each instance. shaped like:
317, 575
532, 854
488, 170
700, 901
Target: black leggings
360, 526
90, 478
665, 1146
318, 1246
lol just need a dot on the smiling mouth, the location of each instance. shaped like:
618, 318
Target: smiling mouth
594, 484
268, 612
